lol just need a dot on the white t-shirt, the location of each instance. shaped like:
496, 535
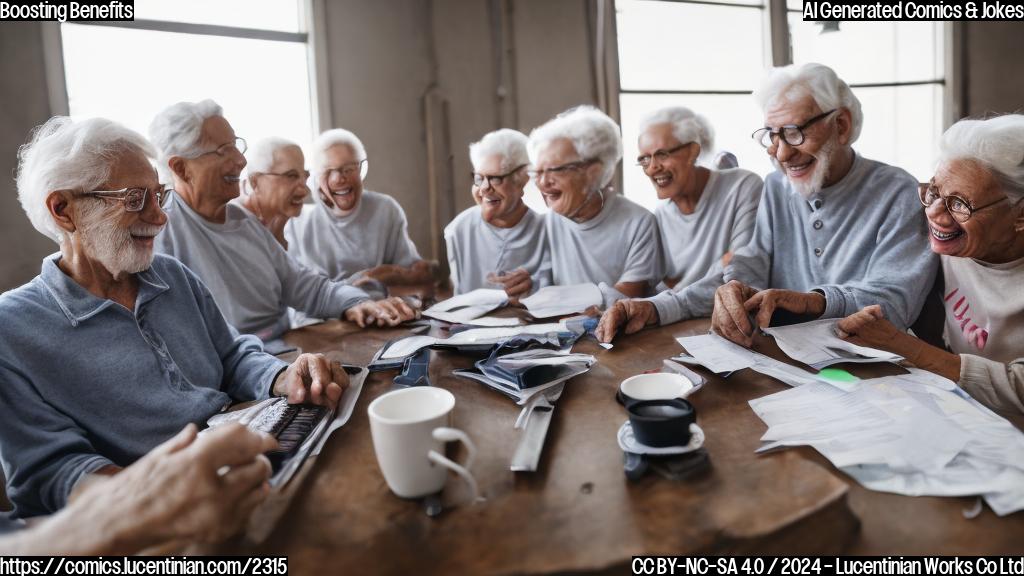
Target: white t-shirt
620, 244
376, 233
984, 306
723, 221
476, 248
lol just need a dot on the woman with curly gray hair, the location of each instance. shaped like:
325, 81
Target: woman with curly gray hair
975, 210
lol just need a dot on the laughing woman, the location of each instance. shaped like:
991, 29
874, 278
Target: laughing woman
275, 184
975, 210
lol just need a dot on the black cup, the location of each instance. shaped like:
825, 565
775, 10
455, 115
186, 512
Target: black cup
661, 423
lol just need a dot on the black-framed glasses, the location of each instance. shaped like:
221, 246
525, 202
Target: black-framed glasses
496, 180
134, 199
959, 208
790, 133
345, 170
659, 155
238, 144
293, 176
561, 171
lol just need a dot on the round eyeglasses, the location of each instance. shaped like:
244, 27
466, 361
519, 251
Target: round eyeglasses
959, 208
790, 133
345, 170
238, 144
561, 171
496, 180
134, 199
659, 155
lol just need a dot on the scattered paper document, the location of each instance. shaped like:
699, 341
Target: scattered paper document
816, 344
552, 301
907, 434
464, 307
475, 336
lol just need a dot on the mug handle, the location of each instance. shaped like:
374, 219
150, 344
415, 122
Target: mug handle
451, 435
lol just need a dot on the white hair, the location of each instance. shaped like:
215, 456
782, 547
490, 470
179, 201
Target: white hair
507, 143
330, 139
996, 143
260, 156
796, 81
67, 155
687, 126
593, 134
178, 130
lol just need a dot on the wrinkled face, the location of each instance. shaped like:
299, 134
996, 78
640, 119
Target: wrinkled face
987, 229
122, 242
565, 190
806, 165
671, 175
500, 200
215, 175
283, 189
341, 183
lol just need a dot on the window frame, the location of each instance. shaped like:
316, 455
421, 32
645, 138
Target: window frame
311, 13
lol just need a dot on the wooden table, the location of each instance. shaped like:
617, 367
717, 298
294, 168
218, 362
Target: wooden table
578, 512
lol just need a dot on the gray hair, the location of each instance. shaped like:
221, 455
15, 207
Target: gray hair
330, 139
996, 143
593, 134
789, 83
687, 126
67, 155
507, 143
178, 130
260, 156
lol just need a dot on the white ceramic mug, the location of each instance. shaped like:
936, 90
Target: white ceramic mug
656, 386
410, 428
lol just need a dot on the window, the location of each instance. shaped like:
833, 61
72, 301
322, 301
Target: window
251, 56
709, 55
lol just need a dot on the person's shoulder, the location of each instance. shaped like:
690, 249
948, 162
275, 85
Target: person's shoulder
463, 221
631, 210
891, 185
380, 201
738, 175
13, 301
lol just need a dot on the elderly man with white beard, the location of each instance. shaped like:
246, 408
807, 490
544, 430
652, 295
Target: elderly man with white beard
111, 350
251, 277
835, 231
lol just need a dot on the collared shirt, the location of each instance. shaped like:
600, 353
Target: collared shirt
861, 241
476, 248
85, 382
339, 246
620, 244
251, 277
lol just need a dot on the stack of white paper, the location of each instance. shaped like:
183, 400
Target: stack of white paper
914, 434
721, 356
816, 344
465, 307
552, 301
412, 344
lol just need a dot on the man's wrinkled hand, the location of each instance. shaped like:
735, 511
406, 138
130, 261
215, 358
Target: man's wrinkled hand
387, 312
516, 283
312, 379
766, 302
632, 315
729, 317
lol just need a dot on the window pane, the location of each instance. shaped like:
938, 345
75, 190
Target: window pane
262, 85
902, 126
281, 15
732, 117
678, 46
872, 52
795, 5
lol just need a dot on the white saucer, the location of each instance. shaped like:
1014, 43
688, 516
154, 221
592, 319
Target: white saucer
629, 443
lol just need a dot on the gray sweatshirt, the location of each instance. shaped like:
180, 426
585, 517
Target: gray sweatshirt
861, 241
251, 277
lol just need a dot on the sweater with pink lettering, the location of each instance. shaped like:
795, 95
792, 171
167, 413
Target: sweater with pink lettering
984, 306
